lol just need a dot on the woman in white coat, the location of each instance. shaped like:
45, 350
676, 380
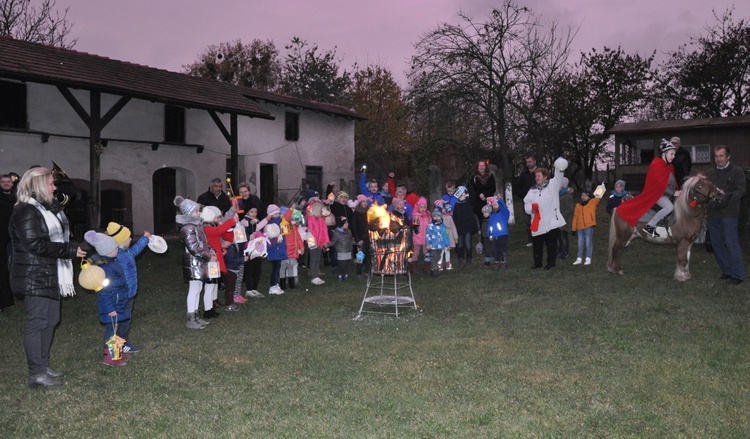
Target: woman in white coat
542, 202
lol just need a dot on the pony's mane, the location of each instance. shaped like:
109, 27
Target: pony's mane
681, 205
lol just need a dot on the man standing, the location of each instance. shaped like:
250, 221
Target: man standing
525, 182
723, 215
215, 196
7, 201
682, 161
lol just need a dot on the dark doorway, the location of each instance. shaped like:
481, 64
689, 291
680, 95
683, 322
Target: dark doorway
164, 189
113, 207
268, 184
314, 178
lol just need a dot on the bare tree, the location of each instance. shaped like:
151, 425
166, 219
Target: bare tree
486, 65
21, 20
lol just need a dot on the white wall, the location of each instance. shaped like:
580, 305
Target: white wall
324, 140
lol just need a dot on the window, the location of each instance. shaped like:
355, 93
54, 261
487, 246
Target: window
314, 178
699, 153
291, 126
13, 109
174, 124
645, 150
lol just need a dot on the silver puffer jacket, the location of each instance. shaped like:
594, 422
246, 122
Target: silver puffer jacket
197, 251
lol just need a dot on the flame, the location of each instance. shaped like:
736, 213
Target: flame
380, 214
389, 241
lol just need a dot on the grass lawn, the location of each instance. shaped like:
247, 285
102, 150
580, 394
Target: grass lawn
571, 352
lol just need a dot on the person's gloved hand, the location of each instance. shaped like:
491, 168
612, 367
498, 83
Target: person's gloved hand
561, 164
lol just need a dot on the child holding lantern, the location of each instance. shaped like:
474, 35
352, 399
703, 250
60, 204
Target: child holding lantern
216, 229
113, 297
276, 245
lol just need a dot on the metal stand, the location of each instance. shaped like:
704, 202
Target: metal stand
384, 302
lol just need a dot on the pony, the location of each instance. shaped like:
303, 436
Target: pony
689, 214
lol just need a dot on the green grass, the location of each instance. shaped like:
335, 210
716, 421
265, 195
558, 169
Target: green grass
571, 352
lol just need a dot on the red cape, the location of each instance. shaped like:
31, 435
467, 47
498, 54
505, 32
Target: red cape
657, 179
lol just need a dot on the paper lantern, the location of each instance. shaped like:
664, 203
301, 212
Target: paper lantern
92, 277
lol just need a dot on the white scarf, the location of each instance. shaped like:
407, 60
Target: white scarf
57, 225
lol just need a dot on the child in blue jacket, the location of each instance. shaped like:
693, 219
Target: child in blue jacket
498, 231
126, 257
113, 298
436, 240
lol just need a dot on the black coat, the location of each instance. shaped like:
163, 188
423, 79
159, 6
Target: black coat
34, 269
222, 201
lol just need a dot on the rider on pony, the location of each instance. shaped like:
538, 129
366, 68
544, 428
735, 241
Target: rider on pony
660, 185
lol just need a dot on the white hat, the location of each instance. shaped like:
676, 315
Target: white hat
103, 244
209, 213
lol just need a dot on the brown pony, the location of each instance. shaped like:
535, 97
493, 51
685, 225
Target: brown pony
689, 213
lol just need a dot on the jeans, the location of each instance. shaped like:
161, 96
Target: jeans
463, 247
42, 315
499, 247
585, 239
123, 329
666, 208
275, 270
726, 244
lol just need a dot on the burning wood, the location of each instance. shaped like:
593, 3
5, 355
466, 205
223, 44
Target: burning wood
390, 241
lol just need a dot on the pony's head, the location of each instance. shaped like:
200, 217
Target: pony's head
697, 192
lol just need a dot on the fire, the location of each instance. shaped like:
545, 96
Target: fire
390, 241
378, 217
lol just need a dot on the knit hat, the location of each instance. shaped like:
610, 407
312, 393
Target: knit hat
422, 201
187, 207
361, 198
119, 232
209, 213
620, 182
311, 193
273, 210
103, 244
340, 220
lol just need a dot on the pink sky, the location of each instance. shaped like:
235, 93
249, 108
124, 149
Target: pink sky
170, 33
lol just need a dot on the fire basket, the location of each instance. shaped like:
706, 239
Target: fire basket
390, 251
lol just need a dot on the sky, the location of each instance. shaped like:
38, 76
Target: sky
169, 34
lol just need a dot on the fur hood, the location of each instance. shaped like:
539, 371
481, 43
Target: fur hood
187, 219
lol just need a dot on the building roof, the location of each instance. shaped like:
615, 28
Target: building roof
680, 124
35, 62
338, 110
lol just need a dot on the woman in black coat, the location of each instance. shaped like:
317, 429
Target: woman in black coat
484, 187
41, 269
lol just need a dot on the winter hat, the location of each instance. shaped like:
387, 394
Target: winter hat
209, 213
422, 201
119, 232
620, 182
486, 209
437, 213
342, 194
311, 193
273, 210
340, 220
103, 244
187, 207
361, 198
439, 203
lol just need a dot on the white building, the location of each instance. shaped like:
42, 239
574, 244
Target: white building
141, 135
